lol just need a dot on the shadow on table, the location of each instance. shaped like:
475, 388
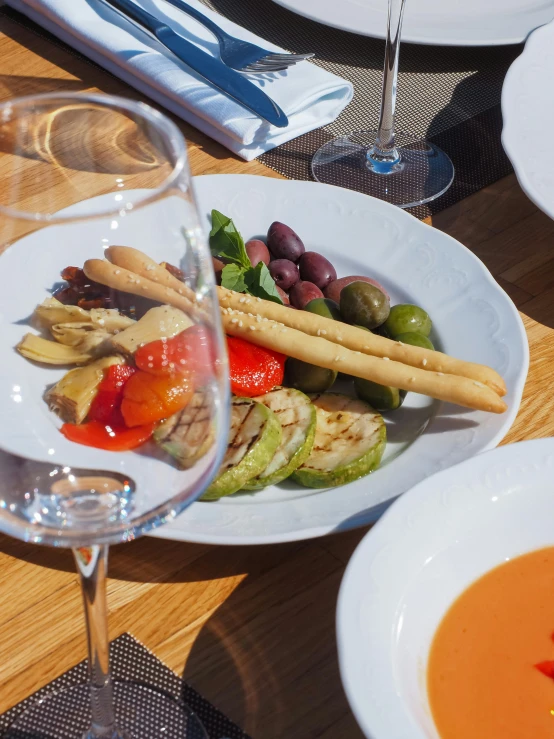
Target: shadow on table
267, 656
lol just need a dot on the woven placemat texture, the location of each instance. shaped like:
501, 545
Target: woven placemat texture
449, 94
131, 662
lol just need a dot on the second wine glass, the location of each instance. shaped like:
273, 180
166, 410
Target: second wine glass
402, 169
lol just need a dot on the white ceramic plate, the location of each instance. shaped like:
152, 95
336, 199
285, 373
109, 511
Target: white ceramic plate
473, 319
427, 549
457, 23
528, 112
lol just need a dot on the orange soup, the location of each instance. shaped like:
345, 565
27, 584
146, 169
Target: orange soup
491, 665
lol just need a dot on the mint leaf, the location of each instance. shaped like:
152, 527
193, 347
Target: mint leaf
232, 277
261, 284
226, 241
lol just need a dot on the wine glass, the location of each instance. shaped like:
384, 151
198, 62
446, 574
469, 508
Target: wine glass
93, 177
402, 169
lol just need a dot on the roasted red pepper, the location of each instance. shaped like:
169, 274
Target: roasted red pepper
547, 668
253, 370
106, 406
148, 398
190, 351
103, 436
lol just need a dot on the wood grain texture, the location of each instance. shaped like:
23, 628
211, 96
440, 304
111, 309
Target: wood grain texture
251, 628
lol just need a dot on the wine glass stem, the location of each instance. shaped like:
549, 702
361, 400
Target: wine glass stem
384, 151
92, 565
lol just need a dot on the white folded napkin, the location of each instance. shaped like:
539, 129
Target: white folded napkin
310, 96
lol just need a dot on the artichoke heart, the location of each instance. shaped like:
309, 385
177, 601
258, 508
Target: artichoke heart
161, 322
110, 320
51, 311
50, 352
83, 336
72, 396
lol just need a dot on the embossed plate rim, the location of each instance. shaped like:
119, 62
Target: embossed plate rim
527, 111
405, 573
348, 214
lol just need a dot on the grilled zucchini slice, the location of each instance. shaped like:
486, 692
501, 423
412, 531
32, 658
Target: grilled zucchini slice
254, 437
349, 442
297, 416
189, 434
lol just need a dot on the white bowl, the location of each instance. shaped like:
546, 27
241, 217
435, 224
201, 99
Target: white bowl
427, 549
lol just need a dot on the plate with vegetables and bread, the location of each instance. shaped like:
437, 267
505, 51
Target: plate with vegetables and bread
366, 349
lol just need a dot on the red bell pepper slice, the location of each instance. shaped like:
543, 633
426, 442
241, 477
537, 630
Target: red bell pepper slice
190, 351
253, 370
106, 406
103, 436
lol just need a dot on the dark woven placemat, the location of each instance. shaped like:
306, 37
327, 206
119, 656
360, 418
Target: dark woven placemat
449, 94
133, 663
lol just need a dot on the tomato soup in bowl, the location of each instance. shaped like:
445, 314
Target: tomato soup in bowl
445, 618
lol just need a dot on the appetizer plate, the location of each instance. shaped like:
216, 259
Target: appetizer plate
459, 23
528, 111
473, 319
426, 550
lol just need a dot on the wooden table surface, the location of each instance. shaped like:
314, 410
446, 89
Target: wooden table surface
251, 628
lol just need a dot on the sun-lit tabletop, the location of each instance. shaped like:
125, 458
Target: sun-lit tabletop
250, 628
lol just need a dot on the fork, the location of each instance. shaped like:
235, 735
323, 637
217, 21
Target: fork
241, 55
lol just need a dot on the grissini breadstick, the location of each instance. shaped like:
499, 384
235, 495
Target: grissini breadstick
356, 339
324, 353
119, 278
141, 264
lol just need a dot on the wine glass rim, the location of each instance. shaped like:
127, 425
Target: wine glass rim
162, 123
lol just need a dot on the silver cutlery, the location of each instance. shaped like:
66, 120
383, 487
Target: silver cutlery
241, 55
214, 71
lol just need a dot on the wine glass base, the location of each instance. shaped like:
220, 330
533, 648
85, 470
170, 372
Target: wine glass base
141, 711
422, 173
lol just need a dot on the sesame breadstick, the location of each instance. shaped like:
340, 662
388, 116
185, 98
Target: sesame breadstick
365, 342
315, 350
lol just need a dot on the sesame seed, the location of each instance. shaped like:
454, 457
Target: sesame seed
117, 271
258, 300
387, 359
424, 362
400, 343
242, 300
250, 314
240, 324
412, 379
479, 384
234, 320
339, 338
336, 359
137, 281
323, 332
440, 374
252, 328
180, 291
258, 318
101, 321
151, 266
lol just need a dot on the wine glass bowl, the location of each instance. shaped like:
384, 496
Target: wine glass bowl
114, 391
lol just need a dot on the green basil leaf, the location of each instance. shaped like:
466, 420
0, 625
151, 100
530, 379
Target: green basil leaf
261, 284
226, 241
232, 277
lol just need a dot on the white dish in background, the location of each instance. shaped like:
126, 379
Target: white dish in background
457, 23
408, 570
528, 112
473, 319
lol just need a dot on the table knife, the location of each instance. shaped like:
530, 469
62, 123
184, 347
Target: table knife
232, 83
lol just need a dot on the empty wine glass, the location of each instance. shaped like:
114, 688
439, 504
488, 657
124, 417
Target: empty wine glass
402, 169
114, 391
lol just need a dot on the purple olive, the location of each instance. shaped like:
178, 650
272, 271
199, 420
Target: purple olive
284, 272
257, 252
283, 243
301, 293
316, 269
334, 289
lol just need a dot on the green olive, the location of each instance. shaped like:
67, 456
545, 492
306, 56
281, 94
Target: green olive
405, 318
364, 304
415, 339
309, 378
380, 397
324, 307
